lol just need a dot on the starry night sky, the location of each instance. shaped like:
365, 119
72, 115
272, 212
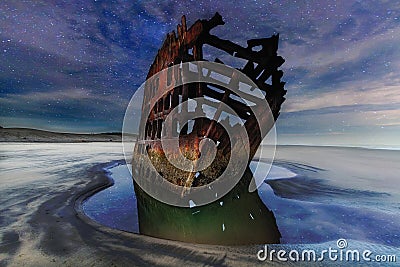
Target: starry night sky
73, 65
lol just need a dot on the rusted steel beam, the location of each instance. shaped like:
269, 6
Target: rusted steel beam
186, 45
241, 109
175, 46
239, 51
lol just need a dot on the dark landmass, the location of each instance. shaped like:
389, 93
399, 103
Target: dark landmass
40, 136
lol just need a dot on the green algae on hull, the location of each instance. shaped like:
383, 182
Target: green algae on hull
238, 218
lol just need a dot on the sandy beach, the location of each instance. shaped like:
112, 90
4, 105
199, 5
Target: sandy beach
42, 224
40, 184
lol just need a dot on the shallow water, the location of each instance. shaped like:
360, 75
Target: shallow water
309, 204
115, 206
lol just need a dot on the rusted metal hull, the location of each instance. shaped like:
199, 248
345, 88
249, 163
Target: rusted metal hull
156, 218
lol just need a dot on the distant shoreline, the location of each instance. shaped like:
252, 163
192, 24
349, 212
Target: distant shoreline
26, 135
390, 148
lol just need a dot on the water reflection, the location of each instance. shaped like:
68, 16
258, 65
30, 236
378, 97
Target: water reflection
240, 217
115, 206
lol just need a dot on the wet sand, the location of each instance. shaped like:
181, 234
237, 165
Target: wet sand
42, 186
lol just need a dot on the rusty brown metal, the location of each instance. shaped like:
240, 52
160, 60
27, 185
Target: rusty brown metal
187, 45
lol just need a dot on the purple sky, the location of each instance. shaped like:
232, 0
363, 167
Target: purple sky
73, 65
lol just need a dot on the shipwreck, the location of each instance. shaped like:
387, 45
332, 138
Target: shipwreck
238, 217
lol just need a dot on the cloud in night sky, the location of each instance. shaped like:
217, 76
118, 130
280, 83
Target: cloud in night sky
73, 65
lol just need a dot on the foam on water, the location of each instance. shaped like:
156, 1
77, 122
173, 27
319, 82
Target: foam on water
275, 172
